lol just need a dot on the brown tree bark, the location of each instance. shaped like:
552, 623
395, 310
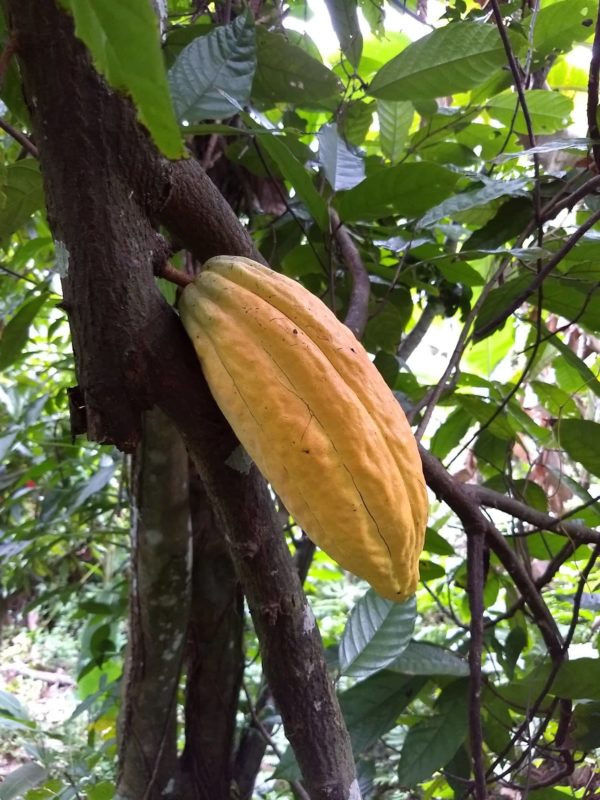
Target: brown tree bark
158, 614
106, 188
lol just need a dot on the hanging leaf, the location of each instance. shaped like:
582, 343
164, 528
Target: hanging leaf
343, 168
377, 632
448, 60
123, 39
22, 193
549, 111
345, 24
395, 119
580, 438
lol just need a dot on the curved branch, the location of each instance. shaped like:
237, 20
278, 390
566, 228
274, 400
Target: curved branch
358, 308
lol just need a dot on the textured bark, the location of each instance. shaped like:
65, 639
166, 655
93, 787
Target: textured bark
105, 185
214, 658
158, 614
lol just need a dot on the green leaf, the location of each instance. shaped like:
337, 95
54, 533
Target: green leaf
434, 543
299, 177
549, 111
430, 744
395, 119
371, 707
406, 189
585, 728
450, 432
580, 438
21, 194
343, 168
448, 60
95, 484
423, 658
123, 39
16, 334
588, 378
213, 68
560, 25
286, 74
17, 782
474, 199
376, 633
345, 24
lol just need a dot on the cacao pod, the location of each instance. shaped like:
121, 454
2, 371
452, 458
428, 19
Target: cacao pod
313, 412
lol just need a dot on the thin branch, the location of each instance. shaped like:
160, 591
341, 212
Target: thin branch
536, 283
573, 529
358, 308
174, 275
19, 137
592, 98
476, 582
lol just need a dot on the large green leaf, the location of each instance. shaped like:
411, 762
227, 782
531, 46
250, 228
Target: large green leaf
287, 74
430, 744
124, 41
559, 25
377, 632
549, 111
213, 68
448, 60
21, 779
406, 189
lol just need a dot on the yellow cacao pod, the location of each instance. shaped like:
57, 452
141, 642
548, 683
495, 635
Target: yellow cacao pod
311, 409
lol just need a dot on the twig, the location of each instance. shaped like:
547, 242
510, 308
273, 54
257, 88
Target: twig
573, 529
476, 581
174, 275
496, 321
358, 308
19, 137
592, 97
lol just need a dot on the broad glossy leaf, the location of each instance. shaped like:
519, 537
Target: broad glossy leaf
286, 74
549, 111
16, 333
448, 60
430, 744
212, 68
345, 23
406, 189
585, 378
343, 168
376, 633
559, 25
585, 727
124, 41
434, 543
395, 119
474, 199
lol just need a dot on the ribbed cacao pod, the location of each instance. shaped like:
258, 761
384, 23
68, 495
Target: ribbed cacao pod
311, 409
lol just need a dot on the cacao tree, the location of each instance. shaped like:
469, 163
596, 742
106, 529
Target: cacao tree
433, 180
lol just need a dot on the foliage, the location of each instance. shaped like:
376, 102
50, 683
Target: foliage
467, 184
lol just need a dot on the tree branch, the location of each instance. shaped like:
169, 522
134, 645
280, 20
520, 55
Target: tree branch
358, 309
592, 97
